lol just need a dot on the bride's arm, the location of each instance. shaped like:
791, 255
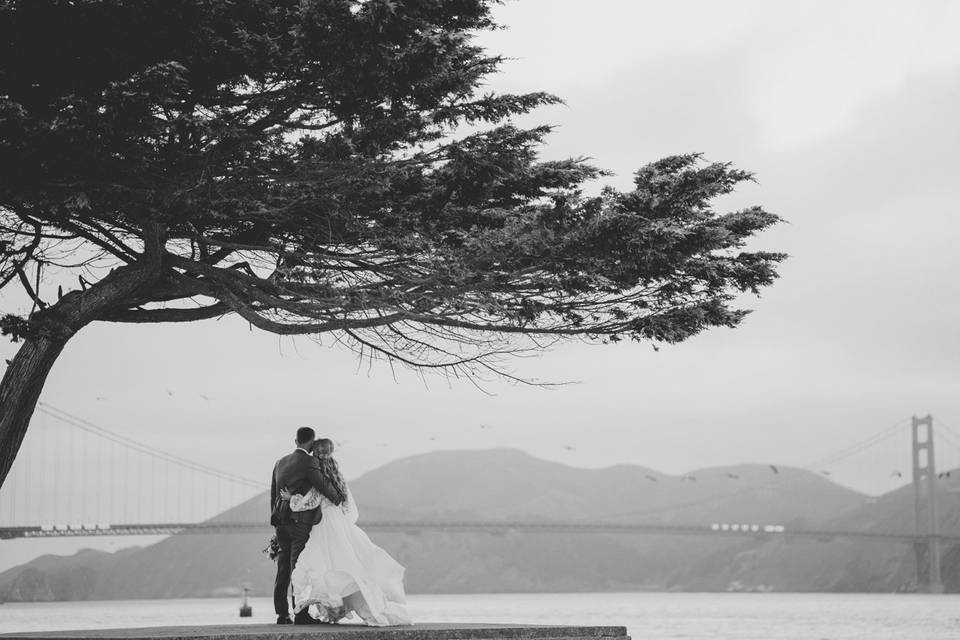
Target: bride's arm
305, 502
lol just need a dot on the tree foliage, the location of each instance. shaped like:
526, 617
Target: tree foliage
304, 165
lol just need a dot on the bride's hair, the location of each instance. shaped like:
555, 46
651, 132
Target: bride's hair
323, 450
322, 447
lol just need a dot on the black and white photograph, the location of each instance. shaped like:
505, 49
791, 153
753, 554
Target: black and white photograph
479, 319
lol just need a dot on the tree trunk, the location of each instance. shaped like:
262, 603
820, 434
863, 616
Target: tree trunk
20, 391
47, 334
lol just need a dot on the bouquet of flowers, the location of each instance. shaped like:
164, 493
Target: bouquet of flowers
273, 548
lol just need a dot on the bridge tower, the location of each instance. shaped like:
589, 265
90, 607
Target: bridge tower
927, 545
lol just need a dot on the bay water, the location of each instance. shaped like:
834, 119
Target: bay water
647, 616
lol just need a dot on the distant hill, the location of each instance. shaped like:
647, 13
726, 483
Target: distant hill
500, 484
838, 565
481, 485
49, 578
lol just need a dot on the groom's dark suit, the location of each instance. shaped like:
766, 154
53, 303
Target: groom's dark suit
296, 472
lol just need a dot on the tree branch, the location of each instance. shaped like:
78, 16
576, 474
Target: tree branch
168, 315
283, 328
25, 281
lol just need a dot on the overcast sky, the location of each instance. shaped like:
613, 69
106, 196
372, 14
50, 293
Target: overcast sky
846, 112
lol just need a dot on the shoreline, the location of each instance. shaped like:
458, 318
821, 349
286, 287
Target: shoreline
423, 631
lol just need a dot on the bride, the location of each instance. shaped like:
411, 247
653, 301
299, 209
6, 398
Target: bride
340, 570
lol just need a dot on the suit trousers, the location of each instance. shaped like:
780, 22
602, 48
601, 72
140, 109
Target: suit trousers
291, 538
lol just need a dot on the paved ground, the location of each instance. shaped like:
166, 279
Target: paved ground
338, 632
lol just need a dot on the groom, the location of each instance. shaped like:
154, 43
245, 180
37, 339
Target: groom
297, 472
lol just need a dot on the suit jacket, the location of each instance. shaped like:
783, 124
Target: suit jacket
299, 472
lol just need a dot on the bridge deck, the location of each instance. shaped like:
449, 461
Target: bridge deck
713, 530
339, 632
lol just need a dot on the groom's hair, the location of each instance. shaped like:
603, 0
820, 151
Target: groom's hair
305, 435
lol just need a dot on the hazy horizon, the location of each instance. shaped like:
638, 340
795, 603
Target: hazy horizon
18, 551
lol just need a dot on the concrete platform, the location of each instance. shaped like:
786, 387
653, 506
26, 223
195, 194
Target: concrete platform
339, 632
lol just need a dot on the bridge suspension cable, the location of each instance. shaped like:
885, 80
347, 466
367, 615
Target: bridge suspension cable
73, 471
948, 432
859, 446
89, 427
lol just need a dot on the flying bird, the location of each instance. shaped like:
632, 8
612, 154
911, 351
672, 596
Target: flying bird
826, 473
568, 447
169, 393
651, 478
205, 397
896, 474
774, 468
733, 476
943, 474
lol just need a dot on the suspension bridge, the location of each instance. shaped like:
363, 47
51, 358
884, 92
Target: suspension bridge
106, 484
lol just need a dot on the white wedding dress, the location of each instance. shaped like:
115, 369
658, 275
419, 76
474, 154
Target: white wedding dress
341, 571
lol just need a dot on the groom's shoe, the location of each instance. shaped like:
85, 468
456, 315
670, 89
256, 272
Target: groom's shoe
305, 618
284, 620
